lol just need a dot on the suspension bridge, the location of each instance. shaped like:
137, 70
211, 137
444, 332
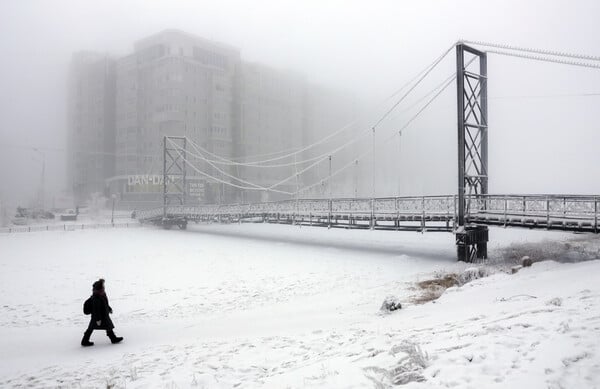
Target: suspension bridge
466, 213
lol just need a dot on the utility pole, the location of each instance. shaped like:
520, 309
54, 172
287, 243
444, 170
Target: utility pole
400, 161
43, 178
330, 177
112, 215
297, 177
373, 166
356, 178
297, 187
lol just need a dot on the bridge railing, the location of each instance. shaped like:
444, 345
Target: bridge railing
547, 210
147, 214
414, 205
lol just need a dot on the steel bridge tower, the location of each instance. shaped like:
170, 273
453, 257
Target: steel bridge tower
472, 110
174, 177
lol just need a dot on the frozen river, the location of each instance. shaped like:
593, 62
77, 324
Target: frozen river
250, 305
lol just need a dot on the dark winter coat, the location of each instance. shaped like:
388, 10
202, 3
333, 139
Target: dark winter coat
100, 312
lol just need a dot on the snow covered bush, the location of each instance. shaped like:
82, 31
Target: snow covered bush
408, 368
556, 301
391, 303
575, 250
471, 274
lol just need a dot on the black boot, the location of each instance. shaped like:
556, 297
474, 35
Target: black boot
113, 338
85, 342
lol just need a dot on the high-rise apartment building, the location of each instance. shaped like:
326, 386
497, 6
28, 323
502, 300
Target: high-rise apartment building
91, 123
173, 84
178, 84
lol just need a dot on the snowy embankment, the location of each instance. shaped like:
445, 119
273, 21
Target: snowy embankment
282, 306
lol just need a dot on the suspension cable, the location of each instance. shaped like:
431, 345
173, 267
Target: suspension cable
423, 74
264, 154
550, 96
225, 161
439, 88
432, 64
319, 159
369, 151
259, 187
213, 165
177, 150
415, 85
233, 163
323, 158
444, 85
546, 59
532, 50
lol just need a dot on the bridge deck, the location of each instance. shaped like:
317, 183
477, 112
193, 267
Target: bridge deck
432, 213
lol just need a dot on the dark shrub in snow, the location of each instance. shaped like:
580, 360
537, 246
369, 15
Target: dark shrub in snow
391, 303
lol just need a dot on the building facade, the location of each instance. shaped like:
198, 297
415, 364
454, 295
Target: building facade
91, 124
178, 84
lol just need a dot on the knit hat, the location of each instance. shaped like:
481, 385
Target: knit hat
98, 285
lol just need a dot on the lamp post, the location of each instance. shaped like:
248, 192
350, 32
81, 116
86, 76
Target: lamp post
42, 194
112, 216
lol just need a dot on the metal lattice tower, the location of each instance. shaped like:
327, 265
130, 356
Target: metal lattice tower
174, 171
472, 127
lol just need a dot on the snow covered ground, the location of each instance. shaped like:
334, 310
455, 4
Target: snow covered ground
282, 306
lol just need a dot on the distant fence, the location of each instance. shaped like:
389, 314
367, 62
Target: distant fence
67, 227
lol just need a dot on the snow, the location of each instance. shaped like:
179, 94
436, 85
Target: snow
282, 306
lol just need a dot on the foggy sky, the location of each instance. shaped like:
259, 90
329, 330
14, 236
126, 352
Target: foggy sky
366, 47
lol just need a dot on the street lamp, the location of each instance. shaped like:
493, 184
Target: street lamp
112, 216
42, 194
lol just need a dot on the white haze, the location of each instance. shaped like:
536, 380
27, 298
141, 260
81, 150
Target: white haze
367, 48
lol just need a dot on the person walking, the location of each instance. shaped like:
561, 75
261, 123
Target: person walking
97, 306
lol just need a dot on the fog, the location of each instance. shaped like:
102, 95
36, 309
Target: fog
544, 132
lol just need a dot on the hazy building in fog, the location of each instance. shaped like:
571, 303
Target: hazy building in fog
328, 111
91, 123
272, 119
173, 84
176, 83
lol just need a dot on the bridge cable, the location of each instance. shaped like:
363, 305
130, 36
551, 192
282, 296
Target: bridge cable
317, 160
385, 115
256, 186
545, 59
232, 163
443, 86
193, 144
532, 50
550, 96
178, 150
225, 161
326, 154
448, 82
321, 158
